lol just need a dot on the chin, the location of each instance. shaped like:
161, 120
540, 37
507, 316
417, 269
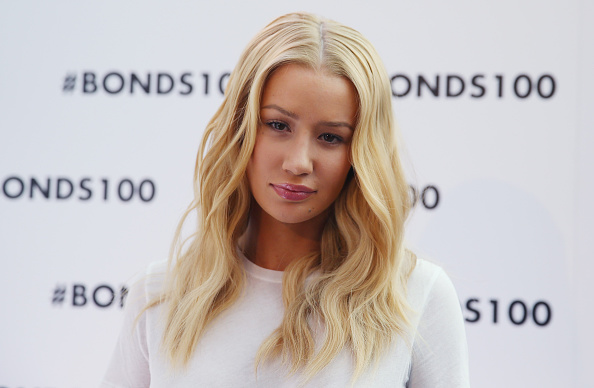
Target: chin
294, 218
299, 215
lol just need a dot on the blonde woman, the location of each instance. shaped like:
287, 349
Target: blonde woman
297, 274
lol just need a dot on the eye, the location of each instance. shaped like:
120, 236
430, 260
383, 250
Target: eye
277, 125
331, 138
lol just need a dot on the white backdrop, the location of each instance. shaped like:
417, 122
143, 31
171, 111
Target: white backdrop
493, 101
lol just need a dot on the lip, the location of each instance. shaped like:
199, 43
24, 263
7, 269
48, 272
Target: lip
292, 192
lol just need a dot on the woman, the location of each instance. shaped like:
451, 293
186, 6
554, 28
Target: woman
297, 274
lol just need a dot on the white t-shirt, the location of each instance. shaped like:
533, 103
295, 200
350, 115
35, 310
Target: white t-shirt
224, 357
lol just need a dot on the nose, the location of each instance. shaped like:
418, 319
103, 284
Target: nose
298, 159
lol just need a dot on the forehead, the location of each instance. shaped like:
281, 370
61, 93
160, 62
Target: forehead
311, 92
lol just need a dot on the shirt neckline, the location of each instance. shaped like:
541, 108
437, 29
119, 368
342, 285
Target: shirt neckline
258, 272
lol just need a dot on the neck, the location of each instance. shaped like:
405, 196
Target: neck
272, 244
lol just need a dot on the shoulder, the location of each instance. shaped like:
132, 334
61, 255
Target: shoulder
429, 281
155, 277
147, 285
440, 354
129, 366
433, 297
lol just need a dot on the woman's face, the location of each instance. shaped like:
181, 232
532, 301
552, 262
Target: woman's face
301, 157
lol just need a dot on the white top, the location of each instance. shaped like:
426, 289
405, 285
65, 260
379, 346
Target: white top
224, 357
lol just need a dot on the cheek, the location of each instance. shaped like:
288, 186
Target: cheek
343, 163
249, 173
253, 171
336, 171
261, 165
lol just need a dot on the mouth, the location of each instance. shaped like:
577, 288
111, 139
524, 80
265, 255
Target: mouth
293, 192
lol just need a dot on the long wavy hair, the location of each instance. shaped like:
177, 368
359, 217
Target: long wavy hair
358, 283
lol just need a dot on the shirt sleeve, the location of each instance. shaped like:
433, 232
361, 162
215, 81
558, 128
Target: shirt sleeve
440, 351
129, 365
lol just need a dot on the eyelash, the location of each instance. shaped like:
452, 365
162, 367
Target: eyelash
334, 138
329, 138
274, 124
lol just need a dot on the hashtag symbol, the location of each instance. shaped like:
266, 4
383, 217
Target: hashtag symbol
69, 82
59, 294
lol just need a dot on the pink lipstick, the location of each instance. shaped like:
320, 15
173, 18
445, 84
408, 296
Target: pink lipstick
292, 192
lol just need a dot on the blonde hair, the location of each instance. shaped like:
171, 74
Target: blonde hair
358, 287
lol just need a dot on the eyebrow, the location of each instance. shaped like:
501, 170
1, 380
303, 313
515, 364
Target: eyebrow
295, 116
